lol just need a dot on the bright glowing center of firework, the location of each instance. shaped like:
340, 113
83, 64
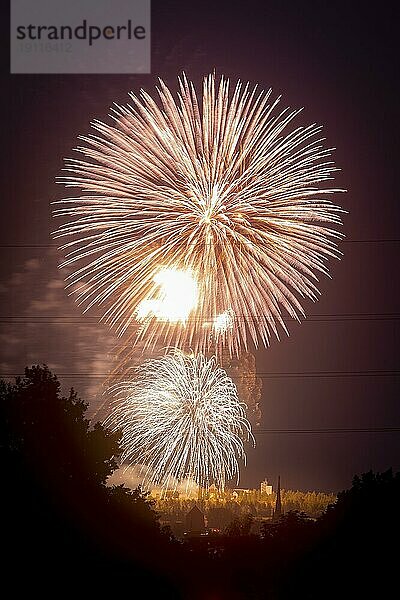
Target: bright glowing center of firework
176, 297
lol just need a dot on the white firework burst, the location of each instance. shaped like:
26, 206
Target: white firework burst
181, 420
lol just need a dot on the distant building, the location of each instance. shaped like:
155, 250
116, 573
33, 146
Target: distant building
278, 502
265, 488
242, 491
195, 522
212, 491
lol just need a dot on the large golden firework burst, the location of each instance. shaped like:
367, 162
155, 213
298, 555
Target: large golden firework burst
200, 222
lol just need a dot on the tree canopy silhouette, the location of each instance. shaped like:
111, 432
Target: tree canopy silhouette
60, 515
52, 432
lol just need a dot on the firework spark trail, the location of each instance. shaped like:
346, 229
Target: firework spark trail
181, 420
226, 188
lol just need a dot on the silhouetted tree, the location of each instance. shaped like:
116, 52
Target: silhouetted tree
240, 526
353, 545
59, 515
294, 525
51, 430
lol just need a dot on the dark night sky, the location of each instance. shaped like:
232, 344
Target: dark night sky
338, 60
